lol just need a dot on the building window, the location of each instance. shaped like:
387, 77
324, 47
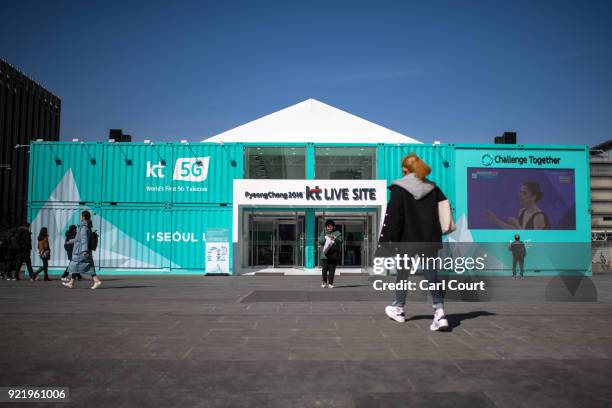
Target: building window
275, 162
601, 169
346, 163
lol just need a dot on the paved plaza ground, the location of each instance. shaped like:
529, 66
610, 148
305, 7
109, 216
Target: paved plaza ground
269, 341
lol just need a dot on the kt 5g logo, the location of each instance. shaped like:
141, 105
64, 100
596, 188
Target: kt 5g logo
193, 169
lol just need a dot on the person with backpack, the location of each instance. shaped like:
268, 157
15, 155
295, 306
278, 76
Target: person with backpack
44, 251
21, 246
412, 225
82, 261
68, 247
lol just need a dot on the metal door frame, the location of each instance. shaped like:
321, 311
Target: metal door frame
298, 221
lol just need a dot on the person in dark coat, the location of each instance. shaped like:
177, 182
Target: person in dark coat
10, 259
412, 226
4, 252
517, 247
21, 246
82, 259
68, 247
330, 241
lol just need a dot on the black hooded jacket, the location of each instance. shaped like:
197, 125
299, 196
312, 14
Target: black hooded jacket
21, 243
411, 219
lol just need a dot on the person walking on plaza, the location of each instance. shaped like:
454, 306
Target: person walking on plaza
517, 247
4, 252
412, 224
21, 245
68, 247
9, 257
329, 243
82, 259
44, 251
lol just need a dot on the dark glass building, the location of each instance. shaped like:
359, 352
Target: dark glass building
28, 112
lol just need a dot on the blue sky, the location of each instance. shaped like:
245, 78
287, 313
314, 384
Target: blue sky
456, 71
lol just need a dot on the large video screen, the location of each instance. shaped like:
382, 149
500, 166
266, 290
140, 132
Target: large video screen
516, 199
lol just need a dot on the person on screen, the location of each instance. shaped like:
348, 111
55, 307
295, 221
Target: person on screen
530, 216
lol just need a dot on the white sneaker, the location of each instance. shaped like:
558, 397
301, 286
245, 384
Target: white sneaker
396, 313
66, 279
324, 285
69, 284
439, 324
96, 285
329, 285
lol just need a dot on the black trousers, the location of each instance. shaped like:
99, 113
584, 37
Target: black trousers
521, 261
20, 261
45, 268
328, 270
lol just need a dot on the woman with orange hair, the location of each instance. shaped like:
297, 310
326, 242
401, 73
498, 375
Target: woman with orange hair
412, 226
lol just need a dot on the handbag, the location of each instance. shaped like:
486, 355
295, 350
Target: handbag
46, 254
447, 224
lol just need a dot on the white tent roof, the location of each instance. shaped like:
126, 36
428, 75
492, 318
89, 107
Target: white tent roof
311, 121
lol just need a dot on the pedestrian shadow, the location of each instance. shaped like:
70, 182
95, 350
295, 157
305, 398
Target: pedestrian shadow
89, 279
349, 286
454, 320
127, 287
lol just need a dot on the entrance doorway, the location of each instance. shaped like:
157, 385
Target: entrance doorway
276, 241
357, 237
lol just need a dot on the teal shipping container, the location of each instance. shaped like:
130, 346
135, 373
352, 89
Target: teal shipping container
241, 208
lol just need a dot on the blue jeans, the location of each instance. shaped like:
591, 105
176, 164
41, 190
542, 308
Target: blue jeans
431, 275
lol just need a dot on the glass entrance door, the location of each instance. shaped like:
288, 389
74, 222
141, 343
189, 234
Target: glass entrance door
288, 244
276, 242
353, 233
261, 251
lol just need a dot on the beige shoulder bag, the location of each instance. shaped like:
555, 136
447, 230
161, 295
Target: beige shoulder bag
446, 217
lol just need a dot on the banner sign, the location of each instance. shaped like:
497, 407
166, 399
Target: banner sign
217, 250
328, 193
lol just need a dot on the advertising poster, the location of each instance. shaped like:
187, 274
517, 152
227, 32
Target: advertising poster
217, 250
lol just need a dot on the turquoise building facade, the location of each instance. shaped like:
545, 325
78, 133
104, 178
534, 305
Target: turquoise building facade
237, 208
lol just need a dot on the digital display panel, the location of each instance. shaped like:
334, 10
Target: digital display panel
532, 199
